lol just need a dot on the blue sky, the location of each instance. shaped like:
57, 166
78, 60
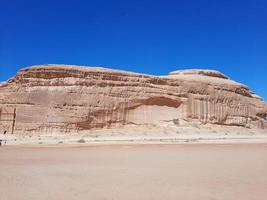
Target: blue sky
147, 36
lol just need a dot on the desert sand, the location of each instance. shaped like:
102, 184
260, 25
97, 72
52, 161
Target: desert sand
178, 171
133, 134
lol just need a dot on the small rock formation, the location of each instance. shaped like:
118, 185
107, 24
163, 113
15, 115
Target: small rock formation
66, 98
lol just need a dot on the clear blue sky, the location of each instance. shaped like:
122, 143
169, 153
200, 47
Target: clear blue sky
148, 36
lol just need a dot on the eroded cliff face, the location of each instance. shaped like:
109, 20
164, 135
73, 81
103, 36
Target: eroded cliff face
64, 98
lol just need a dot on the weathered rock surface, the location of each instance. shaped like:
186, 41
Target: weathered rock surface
71, 98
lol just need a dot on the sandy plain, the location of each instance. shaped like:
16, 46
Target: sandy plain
142, 135
190, 171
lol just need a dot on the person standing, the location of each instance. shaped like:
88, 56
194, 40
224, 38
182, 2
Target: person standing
4, 140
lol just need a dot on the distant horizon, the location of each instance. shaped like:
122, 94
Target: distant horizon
144, 36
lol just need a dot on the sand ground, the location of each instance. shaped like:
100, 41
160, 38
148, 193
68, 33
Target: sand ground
134, 172
142, 135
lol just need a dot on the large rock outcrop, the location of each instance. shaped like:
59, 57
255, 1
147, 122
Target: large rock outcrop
70, 98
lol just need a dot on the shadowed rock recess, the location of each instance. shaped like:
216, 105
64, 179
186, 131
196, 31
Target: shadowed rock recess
64, 98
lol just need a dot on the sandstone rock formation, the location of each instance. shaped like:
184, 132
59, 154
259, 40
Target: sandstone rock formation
65, 98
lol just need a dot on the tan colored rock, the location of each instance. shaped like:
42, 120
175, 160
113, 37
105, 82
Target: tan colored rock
70, 98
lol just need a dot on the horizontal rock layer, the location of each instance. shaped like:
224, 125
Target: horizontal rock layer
70, 98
